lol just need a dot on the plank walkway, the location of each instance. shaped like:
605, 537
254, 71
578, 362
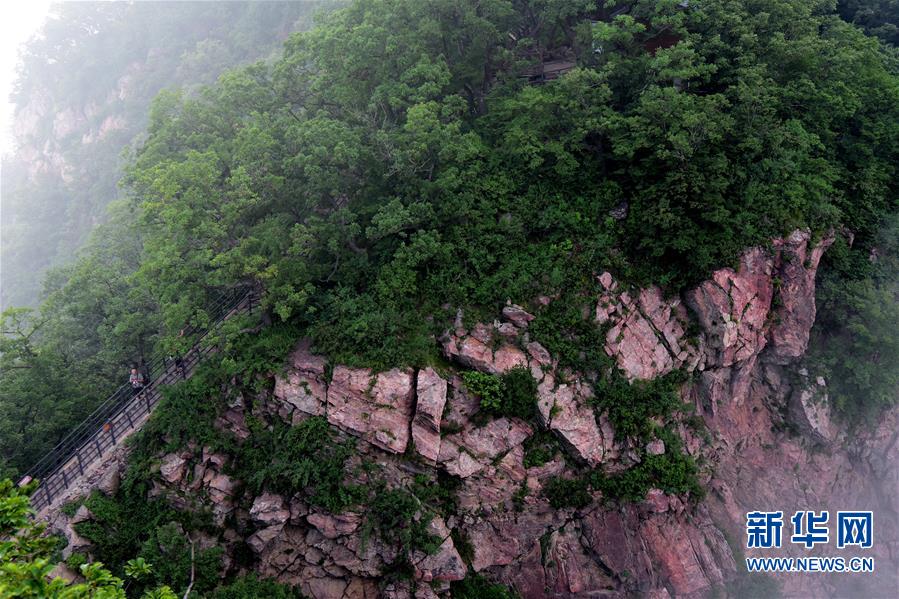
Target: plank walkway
67, 464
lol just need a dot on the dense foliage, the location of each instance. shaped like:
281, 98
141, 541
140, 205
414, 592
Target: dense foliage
397, 163
401, 161
672, 471
476, 586
27, 557
282, 459
514, 393
83, 89
877, 17
129, 526
364, 193
632, 407
854, 342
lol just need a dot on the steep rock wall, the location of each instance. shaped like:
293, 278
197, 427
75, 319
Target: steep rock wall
770, 447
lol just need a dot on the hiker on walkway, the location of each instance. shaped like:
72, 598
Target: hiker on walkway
136, 380
176, 359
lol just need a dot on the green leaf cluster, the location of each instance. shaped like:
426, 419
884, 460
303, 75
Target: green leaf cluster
27, 559
632, 406
306, 457
673, 472
399, 518
514, 393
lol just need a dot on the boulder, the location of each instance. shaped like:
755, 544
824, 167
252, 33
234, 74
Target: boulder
655, 447
445, 564
517, 316
221, 487
173, 467
540, 360
527, 574
476, 351
506, 330
82, 514
470, 352
260, 539
61, 570
269, 509
565, 409
332, 526
109, 482
508, 357
493, 547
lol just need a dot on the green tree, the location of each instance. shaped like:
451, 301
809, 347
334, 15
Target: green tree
853, 343
26, 558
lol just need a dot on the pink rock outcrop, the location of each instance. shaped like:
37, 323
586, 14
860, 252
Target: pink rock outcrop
693, 558
517, 315
797, 265
492, 487
445, 564
753, 322
733, 308
475, 349
269, 509
376, 407
430, 401
173, 467
565, 409
322, 567
335, 525
647, 333
303, 390
468, 452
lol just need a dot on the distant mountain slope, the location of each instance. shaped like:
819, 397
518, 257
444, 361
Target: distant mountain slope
82, 97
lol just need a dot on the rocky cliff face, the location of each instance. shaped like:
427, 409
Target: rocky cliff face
45, 150
770, 446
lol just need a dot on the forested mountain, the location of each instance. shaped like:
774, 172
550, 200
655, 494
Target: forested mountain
643, 190
877, 17
82, 96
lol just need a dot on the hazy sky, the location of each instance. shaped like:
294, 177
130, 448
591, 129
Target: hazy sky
21, 19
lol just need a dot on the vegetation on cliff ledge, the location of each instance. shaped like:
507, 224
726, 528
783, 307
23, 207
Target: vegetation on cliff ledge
396, 160
405, 159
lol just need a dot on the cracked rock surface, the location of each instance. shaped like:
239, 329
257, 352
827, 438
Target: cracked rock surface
750, 324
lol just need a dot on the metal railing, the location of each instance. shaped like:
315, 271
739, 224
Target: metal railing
124, 411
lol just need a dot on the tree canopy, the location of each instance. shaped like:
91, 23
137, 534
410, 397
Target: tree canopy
398, 162
82, 93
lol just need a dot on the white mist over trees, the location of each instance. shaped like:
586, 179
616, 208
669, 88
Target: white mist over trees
82, 95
